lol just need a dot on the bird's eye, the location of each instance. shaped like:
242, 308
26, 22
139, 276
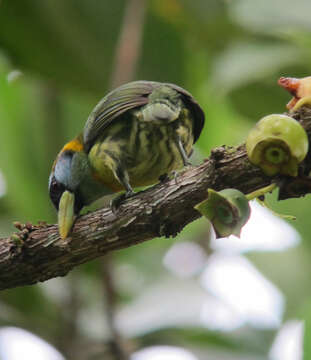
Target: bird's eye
55, 185
56, 190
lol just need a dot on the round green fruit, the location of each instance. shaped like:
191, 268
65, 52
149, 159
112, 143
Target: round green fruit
277, 144
228, 211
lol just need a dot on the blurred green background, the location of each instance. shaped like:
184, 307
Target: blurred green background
57, 60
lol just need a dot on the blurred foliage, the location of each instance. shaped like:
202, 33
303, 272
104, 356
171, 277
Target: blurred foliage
56, 61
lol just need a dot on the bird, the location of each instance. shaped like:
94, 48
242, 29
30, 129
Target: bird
136, 135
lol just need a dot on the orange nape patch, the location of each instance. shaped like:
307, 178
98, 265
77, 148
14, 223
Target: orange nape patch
73, 145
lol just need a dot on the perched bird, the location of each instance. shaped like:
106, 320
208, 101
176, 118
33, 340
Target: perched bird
137, 133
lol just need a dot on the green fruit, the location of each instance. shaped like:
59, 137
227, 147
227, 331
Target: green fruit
277, 144
228, 210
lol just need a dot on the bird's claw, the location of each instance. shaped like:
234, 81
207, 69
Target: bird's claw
174, 174
163, 178
116, 202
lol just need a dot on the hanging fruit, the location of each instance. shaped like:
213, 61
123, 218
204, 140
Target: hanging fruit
277, 144
228, 211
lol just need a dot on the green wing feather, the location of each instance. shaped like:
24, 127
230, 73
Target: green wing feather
130, 96
195, 109
118, 101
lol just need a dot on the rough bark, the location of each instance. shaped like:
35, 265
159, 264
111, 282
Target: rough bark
36, 253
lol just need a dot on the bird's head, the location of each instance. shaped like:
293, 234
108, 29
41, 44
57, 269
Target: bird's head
66, 176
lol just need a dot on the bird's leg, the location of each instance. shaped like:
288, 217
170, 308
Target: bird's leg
182, 152
185, 160
122, 176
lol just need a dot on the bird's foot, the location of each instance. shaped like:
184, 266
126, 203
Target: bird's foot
186, 167
117, 201
164, 177
174, 174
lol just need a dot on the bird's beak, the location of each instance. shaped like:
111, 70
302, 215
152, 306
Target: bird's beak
66, 216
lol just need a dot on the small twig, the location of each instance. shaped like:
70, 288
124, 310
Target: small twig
128, 47
261, 192
69, 334
117, 347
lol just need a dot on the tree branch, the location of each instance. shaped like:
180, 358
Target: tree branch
37, 253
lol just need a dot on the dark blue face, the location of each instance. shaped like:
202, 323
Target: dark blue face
60, 181
56, 190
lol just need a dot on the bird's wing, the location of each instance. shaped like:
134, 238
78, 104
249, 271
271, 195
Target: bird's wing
130, 96
118, 101
195, 109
